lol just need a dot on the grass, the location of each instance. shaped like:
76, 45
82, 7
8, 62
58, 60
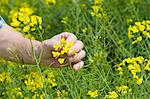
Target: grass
106, 44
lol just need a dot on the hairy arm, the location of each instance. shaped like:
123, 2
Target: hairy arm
14, 47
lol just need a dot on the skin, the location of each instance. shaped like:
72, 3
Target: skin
14, 47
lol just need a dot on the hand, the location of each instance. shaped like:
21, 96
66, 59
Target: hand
76, 59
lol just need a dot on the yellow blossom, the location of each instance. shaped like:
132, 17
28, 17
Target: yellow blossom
146, 34
141, 27
14, 92
148, 27
26, 28
147, 67
5, 77
38, 96
69, 44
24, 20
135, 29
63, 41
93, 93
112, 95
34, 81
123, 89
98, 2
15, 23
139, 81
64, 50
84, 30
61, 49
61, 93
139, 31
50, 1
139, 38
56, 47
55, 54
61, 60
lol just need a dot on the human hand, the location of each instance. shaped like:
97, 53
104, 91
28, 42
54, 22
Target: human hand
75, 59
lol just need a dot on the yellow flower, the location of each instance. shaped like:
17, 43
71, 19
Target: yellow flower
5, 77
56, 47
98, 2
123, 89
38, 96
26, 28
61, 60
111, 95
119, 69
13, 92
135, 29
50, 1
24, 20
84, 30
147, 67
131, 67
63, 41
15, 23
73, 52
138, 23
62, 94
26, 10
148, 27
69, 44
34, 81
139, 38
146, 34
93, 93
139, 81
141, 27
64, 50
55, 54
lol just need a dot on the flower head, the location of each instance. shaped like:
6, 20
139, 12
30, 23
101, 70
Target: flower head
24, 20
93, 93
111, 95
139, 31
61, 49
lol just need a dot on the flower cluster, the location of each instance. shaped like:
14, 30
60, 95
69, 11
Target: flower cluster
62, 94
14, 92
24, 20
61, 50
139, 31
35, 81
93, 93
111, 95
123, 89
5, 77
97, 9
50, 2
38, 96
134, 66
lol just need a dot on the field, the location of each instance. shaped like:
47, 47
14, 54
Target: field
116, 37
